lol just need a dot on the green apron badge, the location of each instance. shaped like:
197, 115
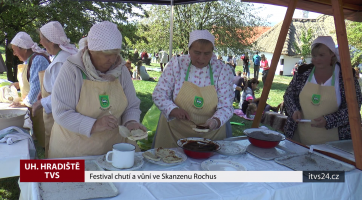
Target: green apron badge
316, 98
104, 101
198, 102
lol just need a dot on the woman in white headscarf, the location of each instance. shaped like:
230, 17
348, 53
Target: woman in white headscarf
35, 60
317, 93
194, 89
54, 39
92, 95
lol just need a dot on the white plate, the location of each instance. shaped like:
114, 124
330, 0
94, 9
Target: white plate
101, 161
266, 154
221, 165
181, 155
344, 145
230, 148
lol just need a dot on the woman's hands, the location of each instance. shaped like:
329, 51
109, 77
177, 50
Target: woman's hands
105, 123
179, 113
319, 122
297, 115
133, 125
212, 123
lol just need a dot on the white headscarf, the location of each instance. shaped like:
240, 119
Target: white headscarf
201, 34
24, 41
54, 32
104, 36
328, 41
101, 37
82, 43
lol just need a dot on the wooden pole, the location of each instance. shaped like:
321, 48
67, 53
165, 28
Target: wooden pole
348, 80
276, 55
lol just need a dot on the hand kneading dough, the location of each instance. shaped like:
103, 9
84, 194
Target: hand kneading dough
151, 156
161, 152
172, 159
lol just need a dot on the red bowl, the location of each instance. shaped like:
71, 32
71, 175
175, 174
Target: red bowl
263, 143
194, 153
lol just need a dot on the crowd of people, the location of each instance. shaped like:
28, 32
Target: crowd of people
80, 97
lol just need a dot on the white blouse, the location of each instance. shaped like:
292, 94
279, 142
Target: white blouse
171, 80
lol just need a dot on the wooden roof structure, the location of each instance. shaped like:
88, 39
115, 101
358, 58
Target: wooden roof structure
322, 26
340, 10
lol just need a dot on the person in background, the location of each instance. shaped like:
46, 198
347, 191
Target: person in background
219, 58
248, 100
249, 89
89, 107
265, 65
135, 57
246, 65
144, 55
238, 82
129, 66
301, 61
317, 93
142, 73
295, 68
195, 89
231, 64
35, 60
54, 39
256, 61
163, 59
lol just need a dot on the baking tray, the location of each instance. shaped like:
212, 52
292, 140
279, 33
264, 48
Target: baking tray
313, 162
344, 145
74, 191
266, 154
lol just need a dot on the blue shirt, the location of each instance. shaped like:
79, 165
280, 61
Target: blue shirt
38, 64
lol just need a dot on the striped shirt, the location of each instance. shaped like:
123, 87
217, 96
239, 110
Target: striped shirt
38, 64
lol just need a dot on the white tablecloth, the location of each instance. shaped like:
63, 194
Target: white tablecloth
10, 156
351, 189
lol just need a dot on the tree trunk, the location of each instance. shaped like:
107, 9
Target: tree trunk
11, 63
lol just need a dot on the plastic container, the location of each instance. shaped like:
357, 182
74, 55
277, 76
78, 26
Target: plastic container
12, 121
263, 143
197, 154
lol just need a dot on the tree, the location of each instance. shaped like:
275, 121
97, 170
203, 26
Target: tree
354, 34
76, 17
304, 48
231, 22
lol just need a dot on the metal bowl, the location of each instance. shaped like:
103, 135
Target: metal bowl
198, 154
263, 143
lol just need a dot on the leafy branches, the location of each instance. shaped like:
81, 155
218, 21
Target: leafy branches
306, 39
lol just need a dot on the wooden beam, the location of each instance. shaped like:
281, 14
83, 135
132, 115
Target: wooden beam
348, 6
348, 80
276, 56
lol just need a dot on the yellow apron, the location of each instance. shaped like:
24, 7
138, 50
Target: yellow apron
47, 118
20, 79
316, 101
65, 143
190, 99
38, 124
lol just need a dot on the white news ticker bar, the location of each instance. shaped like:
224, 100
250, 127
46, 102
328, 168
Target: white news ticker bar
194, 176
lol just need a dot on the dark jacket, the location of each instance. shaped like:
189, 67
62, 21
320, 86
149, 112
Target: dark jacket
337, 119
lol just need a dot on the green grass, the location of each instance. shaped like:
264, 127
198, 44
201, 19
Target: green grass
2, 51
